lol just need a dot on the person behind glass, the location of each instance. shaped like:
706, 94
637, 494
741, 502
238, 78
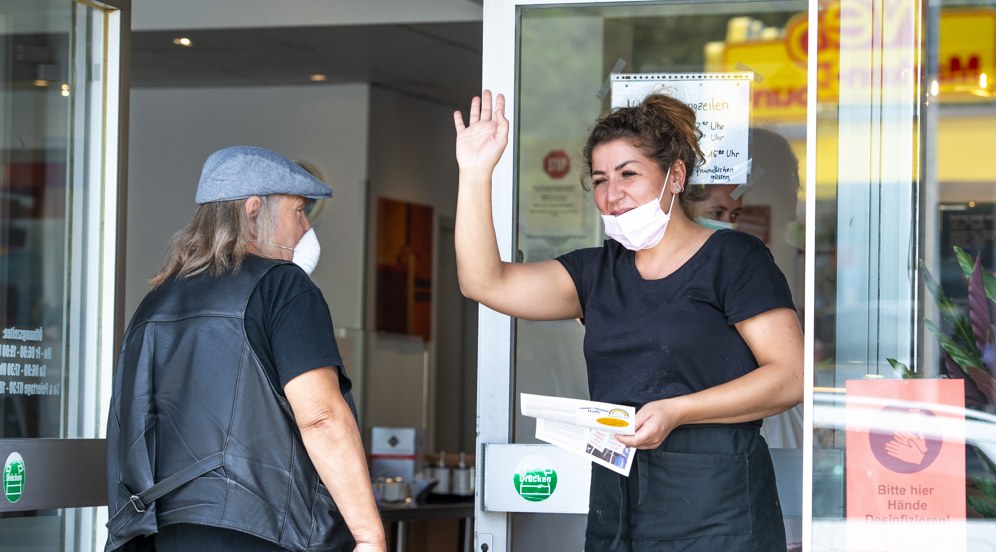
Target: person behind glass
774, 166
232, 425
694, 327
712, 205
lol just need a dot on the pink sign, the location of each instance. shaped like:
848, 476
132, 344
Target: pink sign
905, 464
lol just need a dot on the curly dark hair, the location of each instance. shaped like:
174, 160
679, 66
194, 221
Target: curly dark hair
662, 127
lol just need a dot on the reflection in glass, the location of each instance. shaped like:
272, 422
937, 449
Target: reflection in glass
33, 220
903, 179
51, 109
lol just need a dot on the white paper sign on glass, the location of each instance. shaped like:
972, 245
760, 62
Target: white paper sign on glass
722, 104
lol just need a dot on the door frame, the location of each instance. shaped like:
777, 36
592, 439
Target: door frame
69, 472
496, 334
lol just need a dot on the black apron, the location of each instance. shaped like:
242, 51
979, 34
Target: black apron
706, 488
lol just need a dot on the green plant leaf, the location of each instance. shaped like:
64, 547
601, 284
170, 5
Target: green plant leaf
902, 370
978, 312
986, 504
943, 303
965, 336
967, 264
958, 352
949, 311
987, 464
965, 261
985, 508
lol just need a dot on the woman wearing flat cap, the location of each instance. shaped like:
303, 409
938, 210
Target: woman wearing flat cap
232, 426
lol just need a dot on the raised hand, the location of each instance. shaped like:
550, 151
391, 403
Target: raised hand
480, 143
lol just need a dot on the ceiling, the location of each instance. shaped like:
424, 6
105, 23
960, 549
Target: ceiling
438, 62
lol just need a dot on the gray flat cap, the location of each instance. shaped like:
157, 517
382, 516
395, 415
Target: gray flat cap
238, 172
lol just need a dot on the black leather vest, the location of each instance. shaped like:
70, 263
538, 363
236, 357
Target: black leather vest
196, 432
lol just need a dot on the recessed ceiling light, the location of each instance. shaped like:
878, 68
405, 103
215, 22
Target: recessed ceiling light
183, 41
65, 89
318, 77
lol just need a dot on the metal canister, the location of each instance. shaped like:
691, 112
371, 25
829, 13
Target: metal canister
441, 473
463, 480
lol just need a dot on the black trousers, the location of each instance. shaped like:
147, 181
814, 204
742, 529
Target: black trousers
187, 537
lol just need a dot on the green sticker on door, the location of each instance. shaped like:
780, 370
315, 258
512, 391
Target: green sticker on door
534, 480
13, 477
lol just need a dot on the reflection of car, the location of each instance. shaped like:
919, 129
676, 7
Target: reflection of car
886, 416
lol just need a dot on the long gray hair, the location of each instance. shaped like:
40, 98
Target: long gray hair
216, 238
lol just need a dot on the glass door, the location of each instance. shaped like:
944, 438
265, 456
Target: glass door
60, 92
556, 78
881, 217
903, 278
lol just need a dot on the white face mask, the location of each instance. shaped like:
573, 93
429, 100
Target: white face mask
716, 224
643, 227
307, 251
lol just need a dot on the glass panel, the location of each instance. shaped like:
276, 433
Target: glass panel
564, 60
566, 55
34, 221
961, 215
868, 144
904, 119
52, 95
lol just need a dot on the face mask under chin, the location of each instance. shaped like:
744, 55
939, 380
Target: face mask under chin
642, 227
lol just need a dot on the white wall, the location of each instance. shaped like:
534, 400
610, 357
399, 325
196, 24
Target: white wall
219, 14
411, 159
172, 131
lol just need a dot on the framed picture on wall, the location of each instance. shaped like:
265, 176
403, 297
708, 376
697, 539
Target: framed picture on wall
404, 268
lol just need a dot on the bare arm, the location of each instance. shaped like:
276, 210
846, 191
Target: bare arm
776, 385
333, 443
536, 291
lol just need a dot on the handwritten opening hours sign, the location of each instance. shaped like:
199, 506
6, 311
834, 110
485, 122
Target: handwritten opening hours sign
722, 111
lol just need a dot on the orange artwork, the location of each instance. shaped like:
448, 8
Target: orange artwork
404, 268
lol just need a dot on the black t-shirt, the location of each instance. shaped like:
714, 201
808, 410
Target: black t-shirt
289, 327
652, 339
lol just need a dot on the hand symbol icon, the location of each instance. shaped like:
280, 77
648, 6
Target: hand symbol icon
908, 447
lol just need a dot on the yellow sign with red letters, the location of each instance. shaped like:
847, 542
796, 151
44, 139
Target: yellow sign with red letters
850, 32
